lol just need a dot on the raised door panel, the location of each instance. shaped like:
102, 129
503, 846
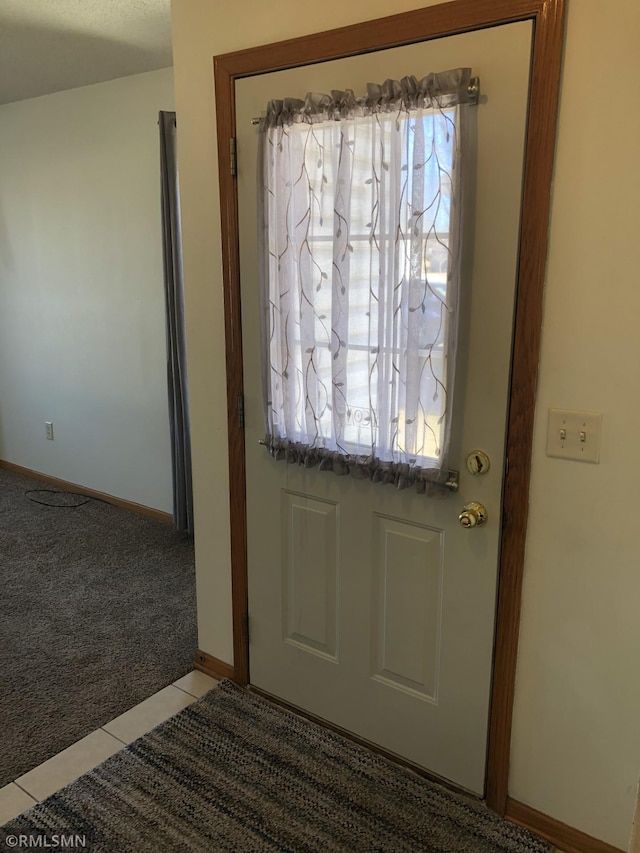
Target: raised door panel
310, 573
407, 603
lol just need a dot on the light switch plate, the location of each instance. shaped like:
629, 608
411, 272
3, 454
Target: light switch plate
574, 435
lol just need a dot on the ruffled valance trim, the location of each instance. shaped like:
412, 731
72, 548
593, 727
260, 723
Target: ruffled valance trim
439, 90
427, 481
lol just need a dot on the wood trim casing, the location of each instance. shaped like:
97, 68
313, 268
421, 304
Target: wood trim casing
394, 31
158, 514
226, 123
568, 839
536, 202
213, 666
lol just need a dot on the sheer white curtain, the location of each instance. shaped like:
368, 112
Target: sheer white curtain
360, 215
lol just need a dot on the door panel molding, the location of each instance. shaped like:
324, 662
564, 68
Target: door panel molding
394, 31
310, 574
407, 606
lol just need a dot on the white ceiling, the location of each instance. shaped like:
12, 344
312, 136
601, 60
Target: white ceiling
50, 45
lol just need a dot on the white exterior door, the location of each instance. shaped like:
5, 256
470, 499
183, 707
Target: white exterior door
371, 607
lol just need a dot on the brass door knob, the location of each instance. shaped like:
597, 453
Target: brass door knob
473, 515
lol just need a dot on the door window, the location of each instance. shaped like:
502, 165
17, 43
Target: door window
360, 232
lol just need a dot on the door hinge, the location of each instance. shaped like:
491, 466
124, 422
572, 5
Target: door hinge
245, 628
233, 156
241, 410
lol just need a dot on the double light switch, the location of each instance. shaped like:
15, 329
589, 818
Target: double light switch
574, 435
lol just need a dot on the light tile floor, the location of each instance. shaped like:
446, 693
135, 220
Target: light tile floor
95, 748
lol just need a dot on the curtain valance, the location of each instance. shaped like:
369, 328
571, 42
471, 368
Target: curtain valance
435, 91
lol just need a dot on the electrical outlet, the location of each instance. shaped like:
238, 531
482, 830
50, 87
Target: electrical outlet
48, 430
574, 435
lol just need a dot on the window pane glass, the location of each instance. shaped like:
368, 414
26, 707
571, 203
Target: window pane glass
359, 272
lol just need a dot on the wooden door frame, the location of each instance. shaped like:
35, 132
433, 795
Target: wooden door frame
446, 19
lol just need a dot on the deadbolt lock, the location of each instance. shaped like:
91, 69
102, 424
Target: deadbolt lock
473, 515
478, 463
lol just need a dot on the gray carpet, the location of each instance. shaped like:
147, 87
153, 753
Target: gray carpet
235, 773
97, 612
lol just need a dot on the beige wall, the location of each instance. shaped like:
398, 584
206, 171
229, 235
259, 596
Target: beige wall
576, 741
82, 321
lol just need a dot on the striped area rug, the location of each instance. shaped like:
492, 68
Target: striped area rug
235, 773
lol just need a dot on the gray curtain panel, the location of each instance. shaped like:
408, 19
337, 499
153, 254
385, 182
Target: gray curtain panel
176, 351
